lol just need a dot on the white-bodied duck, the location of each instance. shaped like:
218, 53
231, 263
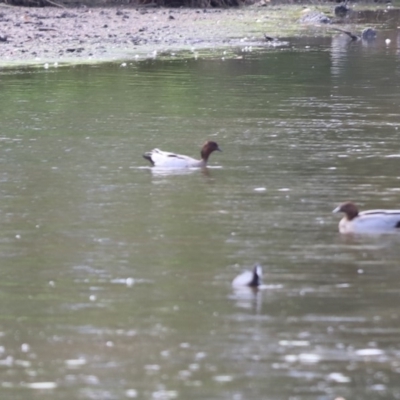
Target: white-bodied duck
371, 221
164, 159
251, 279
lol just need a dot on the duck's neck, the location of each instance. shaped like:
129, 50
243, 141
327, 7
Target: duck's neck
204, 155
255, 281
351, 214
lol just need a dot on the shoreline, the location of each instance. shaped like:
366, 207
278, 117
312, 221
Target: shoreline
54, 36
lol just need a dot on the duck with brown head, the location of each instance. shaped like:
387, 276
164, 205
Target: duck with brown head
164, 159
371, 221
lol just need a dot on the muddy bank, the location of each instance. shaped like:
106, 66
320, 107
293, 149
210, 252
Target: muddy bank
82, 35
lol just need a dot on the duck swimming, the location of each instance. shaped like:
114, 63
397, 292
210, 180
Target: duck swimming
371, 221
164, 159
251, 279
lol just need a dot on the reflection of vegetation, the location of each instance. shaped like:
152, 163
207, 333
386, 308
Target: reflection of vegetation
67, 101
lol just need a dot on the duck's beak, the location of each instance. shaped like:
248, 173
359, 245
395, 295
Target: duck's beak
218, 149
336, 210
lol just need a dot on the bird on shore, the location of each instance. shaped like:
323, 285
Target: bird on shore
371, 221
164, 159
269, 38
251, 278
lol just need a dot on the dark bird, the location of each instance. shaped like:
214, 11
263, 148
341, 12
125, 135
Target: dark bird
269, 38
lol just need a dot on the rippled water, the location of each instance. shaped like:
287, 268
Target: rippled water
116, 279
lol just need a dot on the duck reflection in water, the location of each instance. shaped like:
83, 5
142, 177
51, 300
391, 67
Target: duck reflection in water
160, 172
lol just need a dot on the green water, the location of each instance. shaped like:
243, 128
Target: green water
116, 279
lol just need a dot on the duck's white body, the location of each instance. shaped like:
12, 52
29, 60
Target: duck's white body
249, 278
165, 159
371, 221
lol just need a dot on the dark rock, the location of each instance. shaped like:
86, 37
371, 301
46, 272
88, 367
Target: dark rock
341, 10
67, 15
368, 34
315, 17
73, 50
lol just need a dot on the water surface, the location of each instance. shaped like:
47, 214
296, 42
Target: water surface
116, 279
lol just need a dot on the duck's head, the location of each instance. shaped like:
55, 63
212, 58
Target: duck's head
257, 276
349, 208
208, 148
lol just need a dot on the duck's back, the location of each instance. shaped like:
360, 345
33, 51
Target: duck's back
244, 279
372, 221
